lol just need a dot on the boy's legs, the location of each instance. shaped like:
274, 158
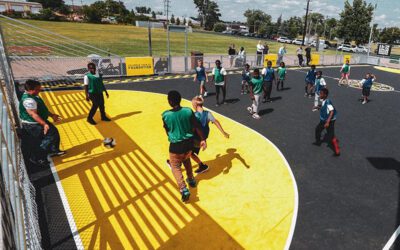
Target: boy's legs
310, 89
217, 89
330, 134
188, 166
269, 90
175, 161
316, 100
318, 131
51, 141
306, 93
223, 93
256, 103
95, 105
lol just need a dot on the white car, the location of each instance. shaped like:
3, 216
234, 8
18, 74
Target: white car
283, 39
361, 49
298, 41
314, 44
347, 48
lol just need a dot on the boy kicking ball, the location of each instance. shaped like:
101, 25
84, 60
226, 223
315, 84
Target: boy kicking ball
204, 117
256, 90
366, 84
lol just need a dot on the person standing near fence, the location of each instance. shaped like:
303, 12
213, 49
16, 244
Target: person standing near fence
260, 51
180, 124
232, 54
219, 77
241, 60
94, 88
40, 137
201, 77
308, 54
281, 53
299, 53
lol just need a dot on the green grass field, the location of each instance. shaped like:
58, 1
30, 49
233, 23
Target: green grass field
126, 40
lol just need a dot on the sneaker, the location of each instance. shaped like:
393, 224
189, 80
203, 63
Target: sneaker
256, 116
106, 119
305, 95
58, 153
250, 109
364, 102
217, 105
225, 103
205, 94
317, 143
314, 109
269, 100
185, 194
264, 100
91, 121
203, 168
192, 182
309, 96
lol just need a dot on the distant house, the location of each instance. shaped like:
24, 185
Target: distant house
20, 7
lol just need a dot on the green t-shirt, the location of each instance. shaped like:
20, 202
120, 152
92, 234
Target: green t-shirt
95, 84
178, 124
281, 73
346, 68
257, 84
41, 108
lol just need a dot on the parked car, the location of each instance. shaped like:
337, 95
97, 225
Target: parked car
343, 44
347, 48
361, 49
259, 36
298, 41
283, 39
314, 44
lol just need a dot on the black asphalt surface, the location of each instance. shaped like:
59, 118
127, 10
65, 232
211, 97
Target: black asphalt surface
346, 202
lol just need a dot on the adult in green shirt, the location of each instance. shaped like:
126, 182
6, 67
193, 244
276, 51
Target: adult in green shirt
180, 124
94, 88
40, 136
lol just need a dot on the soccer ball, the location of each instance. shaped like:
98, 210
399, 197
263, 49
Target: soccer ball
109, 142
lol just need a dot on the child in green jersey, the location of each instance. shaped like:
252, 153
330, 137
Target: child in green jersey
256, 90
345, 70
281, 71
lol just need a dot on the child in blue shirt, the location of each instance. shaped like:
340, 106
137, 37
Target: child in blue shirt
268, 74
201, 77
319, 84
366, 84
310, 81
245, 79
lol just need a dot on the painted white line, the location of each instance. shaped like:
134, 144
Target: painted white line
296, 191
392, 239
70, 217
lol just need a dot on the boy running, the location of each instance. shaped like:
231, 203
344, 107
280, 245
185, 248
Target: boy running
345, 70
180, 124
204, 118
201, 77
367, 83
245, 79
327, 121
310, 81
319, 85
256, 89
281, 71
269, 76
219, 78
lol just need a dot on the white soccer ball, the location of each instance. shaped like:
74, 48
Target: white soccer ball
109, 142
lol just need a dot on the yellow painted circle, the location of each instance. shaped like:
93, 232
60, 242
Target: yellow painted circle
126, 197
391, 70
375, 87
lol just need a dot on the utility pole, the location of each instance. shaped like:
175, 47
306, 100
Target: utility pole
305, 22
372, 27
166, 10
205, 8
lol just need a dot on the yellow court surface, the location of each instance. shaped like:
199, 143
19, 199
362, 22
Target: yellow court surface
391, 70
126, 197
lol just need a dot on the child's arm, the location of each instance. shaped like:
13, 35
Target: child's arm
195, 77
212, 74
205, 72
216, 122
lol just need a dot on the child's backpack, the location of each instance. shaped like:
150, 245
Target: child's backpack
202, 117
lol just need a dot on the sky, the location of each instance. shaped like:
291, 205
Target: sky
387, 13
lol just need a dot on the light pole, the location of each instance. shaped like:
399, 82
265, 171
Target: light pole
305, 22
372, 27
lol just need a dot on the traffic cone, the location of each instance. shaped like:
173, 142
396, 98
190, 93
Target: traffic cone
335, 143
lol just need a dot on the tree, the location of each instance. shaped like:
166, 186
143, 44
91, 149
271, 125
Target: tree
390, 35
178, 21
143, 10
277, 27
190, 23
355, 21
184, 21
219, 27
331, 24
92, 14
209, 13
255, 18
153, 15
172, 19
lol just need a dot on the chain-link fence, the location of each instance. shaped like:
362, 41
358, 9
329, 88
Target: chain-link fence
19, 217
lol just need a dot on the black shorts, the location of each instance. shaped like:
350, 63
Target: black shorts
366, 91
196, 150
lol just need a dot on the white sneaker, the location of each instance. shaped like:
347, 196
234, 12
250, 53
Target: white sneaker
364, 102
250, 109
256, 116
205, 94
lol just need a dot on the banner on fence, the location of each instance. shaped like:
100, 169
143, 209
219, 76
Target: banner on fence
346, 57
139, 66
270, 57
314, 59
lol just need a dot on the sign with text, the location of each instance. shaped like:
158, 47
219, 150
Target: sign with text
314, 59
346, 58
270, 57
139, 66
384, 49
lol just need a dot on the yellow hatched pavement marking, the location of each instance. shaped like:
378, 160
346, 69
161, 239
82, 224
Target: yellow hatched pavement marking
126, 197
